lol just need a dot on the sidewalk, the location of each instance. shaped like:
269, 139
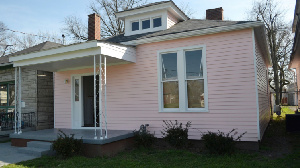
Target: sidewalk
9, 154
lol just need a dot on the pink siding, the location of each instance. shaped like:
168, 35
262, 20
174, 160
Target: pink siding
298, 83
171, 20
132, 89
263, 91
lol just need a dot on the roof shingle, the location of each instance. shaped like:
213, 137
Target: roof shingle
185, 26
42, 46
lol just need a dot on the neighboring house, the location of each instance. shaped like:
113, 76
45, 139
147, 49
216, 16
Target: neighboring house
164, 67
295, 56
37, 92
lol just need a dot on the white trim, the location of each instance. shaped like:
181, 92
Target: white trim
64, 49
126, 54
149, 16
256, 88
181, 80
194, 33
169, 6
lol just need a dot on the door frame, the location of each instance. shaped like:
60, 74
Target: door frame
81, 107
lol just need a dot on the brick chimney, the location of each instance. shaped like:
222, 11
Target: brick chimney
214, 14
94, 27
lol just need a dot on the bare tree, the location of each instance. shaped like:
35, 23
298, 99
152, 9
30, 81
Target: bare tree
12, 41
279, 39
185, 7
75, 28
110, 25
3, 37
23, 41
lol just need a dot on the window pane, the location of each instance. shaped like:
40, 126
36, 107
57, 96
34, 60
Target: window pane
156, 22
146, 24
135, 26
195, 92
3, 95
2, 110
76, 89
11, 95
194, 67
169, 66
171, 94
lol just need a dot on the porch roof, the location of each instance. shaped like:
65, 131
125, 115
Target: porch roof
75, 56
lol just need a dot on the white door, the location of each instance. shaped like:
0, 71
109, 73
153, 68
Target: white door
77, 102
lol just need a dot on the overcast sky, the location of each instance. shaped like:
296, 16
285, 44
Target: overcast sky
32, 16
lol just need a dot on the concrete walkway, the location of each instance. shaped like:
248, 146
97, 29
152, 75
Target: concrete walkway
9, 154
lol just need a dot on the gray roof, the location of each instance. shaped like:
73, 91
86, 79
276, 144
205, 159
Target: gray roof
42, 46
185, 26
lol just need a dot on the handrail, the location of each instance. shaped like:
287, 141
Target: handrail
7, 120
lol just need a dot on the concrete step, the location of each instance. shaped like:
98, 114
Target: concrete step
40, 144
35, 151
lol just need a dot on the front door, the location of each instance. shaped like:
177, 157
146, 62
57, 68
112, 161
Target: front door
77, 101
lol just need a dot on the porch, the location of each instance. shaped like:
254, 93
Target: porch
116, 141
84, 109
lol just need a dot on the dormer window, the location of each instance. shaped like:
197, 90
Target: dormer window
135, 25
157, 22
151, 18
146, 24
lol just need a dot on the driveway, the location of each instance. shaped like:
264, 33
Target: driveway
9, 154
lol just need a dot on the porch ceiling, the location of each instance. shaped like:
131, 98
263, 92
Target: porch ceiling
75, 56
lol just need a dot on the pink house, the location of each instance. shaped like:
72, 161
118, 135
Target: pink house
164, 67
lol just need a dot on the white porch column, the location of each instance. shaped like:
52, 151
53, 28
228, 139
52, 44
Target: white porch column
95, 98
16, 92
105, 96
100, 96
20, 101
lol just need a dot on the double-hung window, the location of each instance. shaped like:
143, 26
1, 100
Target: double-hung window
7, 97
182, 80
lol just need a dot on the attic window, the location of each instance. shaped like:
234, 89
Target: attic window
135, 25
146, 24
157, 22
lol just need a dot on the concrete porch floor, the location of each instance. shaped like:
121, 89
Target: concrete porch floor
118, 140
87, 135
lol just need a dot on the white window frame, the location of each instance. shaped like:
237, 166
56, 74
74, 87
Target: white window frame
182, 84
138, 23
153, 21
145, 20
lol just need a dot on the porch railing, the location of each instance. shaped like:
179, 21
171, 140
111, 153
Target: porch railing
7, 120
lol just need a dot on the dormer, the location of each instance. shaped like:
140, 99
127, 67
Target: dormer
150, 18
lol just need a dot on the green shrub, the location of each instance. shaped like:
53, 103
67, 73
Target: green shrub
175, 134
67, 146
221, 143
143, 138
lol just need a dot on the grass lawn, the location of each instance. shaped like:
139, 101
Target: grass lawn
163, 158
284, 110
278, 149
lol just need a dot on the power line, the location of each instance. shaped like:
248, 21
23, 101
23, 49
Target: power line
15, 31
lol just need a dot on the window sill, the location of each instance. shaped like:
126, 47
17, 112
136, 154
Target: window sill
185, 111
